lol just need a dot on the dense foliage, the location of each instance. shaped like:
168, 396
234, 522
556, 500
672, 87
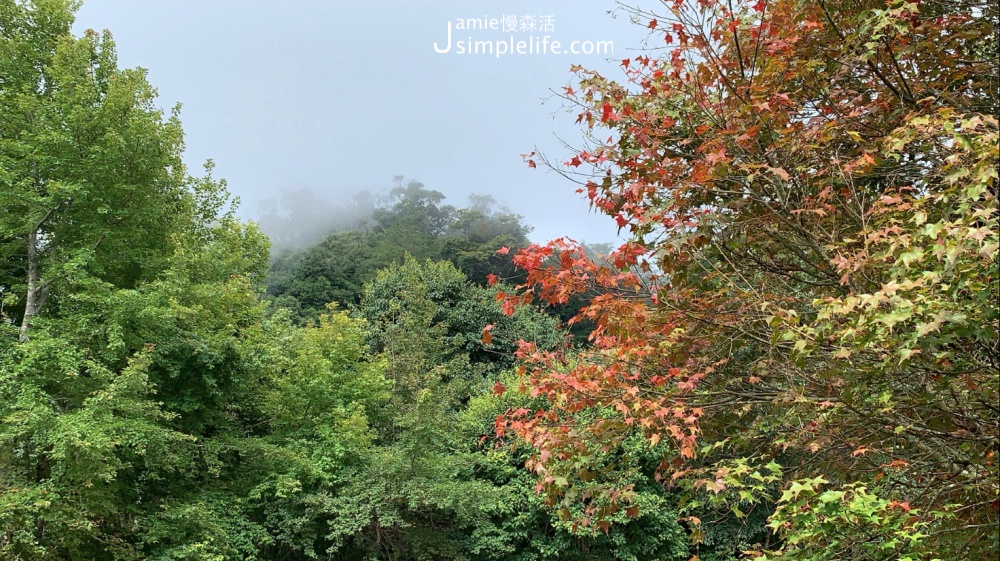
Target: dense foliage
805, 316
793, 356
156, 403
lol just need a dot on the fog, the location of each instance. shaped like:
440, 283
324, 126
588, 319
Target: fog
298, 218
303, 106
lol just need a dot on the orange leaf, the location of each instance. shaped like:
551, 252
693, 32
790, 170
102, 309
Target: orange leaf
780, 172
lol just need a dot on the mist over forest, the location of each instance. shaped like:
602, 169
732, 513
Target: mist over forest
298, 218
790, 354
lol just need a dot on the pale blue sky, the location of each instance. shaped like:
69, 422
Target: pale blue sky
338, 96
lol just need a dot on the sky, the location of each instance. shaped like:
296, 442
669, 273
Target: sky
339, 97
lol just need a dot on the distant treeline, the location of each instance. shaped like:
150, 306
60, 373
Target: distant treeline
343, 246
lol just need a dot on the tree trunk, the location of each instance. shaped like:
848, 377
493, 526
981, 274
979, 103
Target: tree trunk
37, 290
33, 299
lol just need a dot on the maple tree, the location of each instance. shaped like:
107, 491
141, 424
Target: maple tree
804, 315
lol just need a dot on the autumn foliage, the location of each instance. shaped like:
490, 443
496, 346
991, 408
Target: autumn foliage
804, 318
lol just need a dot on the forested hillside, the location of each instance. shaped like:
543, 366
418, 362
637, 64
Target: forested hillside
793, 355
412, 220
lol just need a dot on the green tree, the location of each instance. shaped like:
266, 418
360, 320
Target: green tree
114, 410
468, 315
416, 491
149, 407
475, 235
314, 435
90, 168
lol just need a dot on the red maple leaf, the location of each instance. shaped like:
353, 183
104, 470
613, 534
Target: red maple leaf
607, 112
717, 157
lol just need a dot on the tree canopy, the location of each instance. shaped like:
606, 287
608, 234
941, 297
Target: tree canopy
804, 315
793, 355
411, 221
